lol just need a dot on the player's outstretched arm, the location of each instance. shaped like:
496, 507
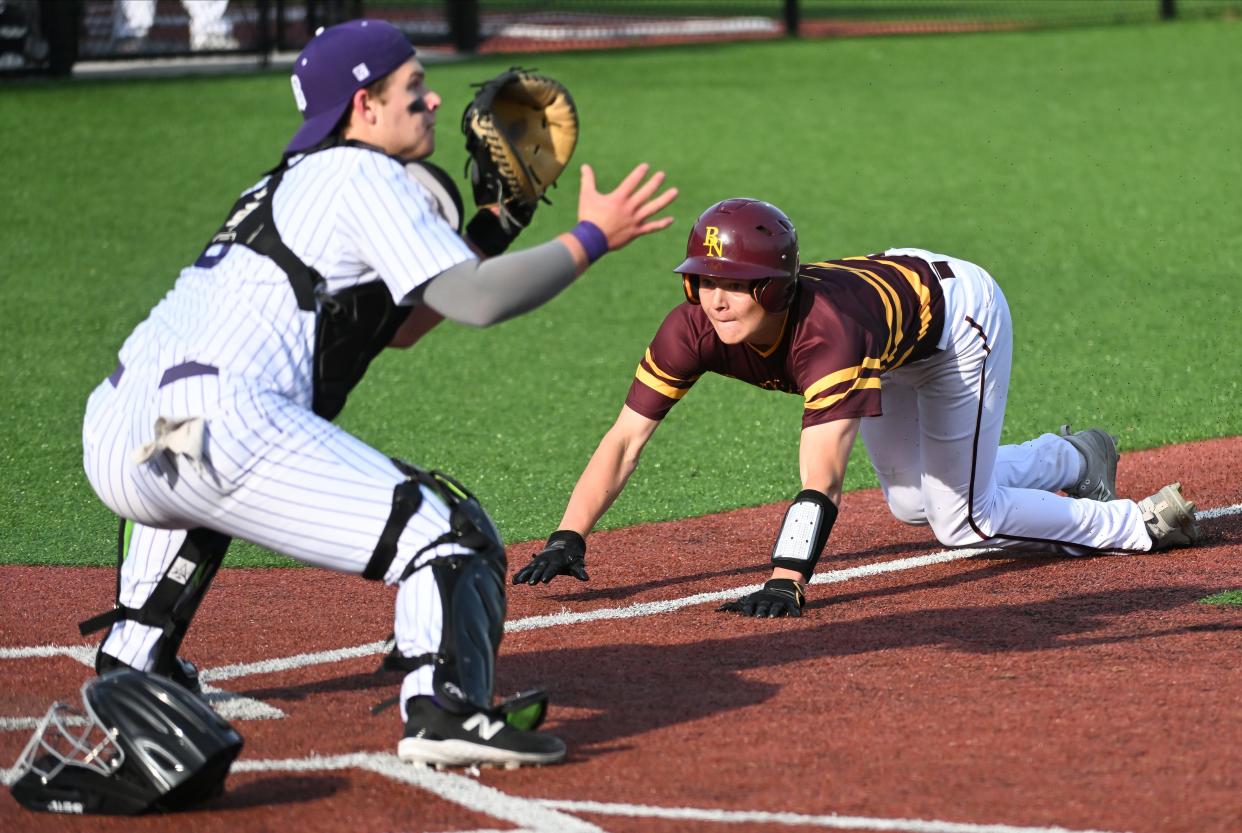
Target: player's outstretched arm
600, 484
822, 456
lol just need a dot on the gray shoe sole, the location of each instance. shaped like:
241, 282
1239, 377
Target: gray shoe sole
1099, 448
1170, 519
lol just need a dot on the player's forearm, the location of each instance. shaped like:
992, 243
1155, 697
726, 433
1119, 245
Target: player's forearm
421, 320
482, 293
824, 454
599, 486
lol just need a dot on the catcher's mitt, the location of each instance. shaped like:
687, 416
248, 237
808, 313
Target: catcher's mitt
520, 131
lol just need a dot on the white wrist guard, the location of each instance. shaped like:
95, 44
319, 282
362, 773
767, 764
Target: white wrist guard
804, 532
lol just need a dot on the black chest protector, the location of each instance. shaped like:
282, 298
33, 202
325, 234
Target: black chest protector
351, 326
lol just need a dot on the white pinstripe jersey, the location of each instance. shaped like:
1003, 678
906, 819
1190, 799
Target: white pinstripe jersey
352, 214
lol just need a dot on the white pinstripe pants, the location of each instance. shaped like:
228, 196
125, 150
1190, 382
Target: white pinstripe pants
274, 474
937, 452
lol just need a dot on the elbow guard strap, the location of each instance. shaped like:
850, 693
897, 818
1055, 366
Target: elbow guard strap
804, 532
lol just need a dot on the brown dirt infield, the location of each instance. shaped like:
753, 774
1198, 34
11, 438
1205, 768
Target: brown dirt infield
1030, 692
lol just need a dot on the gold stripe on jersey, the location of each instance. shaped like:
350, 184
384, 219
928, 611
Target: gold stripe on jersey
892, 307
890, 319
920, 290
861, 383
659, 385
838, 377
664, 375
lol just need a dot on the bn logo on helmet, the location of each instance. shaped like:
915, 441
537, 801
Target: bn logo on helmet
711, 242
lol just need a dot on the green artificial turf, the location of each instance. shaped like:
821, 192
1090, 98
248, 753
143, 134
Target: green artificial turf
1091, 171
1228, 598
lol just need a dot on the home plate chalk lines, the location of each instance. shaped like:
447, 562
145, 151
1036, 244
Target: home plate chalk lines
540, 815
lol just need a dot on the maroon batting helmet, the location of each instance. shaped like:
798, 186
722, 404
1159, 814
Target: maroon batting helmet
743, 239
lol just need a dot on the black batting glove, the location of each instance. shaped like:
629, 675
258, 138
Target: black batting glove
779, 597
564, 554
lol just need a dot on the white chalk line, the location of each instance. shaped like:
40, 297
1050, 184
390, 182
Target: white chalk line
553, 816
459, 789
229, 705
834, 822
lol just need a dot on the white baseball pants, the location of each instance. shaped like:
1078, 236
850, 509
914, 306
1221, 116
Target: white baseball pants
270, 472
937, 452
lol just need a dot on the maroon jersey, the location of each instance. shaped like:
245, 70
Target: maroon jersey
851, 320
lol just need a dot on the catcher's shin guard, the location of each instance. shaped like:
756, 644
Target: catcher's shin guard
171, 605
472, 597
471, 587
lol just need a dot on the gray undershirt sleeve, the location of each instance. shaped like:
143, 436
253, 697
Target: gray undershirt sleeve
482, 293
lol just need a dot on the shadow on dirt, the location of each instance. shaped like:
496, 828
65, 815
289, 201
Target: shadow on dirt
275, 790
637, 688
629, 688
761, 568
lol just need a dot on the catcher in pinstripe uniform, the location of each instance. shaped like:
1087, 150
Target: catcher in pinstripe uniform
910, 348
217, 420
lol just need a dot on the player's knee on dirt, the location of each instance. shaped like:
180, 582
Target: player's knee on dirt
906, 506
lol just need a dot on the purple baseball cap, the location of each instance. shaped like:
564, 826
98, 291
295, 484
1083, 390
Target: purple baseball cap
339, 61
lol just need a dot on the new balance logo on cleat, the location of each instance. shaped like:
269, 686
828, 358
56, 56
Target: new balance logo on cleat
440, 738
487, 729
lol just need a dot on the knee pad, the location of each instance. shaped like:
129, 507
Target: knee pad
469, 524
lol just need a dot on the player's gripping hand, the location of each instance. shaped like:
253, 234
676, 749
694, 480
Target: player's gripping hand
563, 555
779, 597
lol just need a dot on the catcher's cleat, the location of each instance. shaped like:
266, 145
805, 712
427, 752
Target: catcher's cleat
1170, 519
1099, 449
184, 673
476, 738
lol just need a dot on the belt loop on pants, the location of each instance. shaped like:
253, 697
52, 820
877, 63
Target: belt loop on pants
178, 371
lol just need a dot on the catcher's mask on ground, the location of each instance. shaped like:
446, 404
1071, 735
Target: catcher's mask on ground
339, 61
744, 239
142, 743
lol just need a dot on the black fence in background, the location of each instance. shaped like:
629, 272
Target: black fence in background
51, 36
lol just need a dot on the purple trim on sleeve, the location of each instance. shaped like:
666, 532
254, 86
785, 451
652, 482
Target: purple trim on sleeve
592, 238
115, 378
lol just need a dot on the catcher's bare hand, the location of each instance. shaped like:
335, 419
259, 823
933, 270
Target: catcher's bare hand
624, 213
